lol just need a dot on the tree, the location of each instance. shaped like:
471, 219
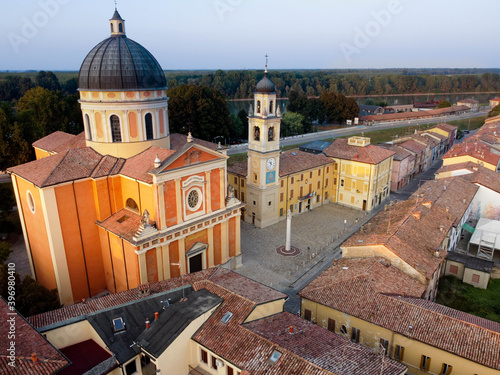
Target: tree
13, 87
494, 112
47, 80
236, 130
337, 108
291, 124
201, 109
444, 104
5, 251
243, 115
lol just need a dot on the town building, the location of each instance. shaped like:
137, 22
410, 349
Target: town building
473, 151
494, 102
471, 103
362, 172
211, 322
124, 203
448, 131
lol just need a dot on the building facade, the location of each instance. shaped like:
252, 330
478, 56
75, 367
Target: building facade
125, 203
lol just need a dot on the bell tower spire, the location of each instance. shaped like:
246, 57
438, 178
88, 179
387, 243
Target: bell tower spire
117, 24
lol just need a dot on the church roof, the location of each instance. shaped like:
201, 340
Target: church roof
60, 141
138, 166
119, 63
265, 85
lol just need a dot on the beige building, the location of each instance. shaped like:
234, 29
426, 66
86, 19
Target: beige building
362, 172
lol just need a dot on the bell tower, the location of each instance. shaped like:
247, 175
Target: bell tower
263, 156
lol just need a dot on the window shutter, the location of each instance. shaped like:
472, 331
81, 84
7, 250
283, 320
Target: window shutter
401, 353
428, 364
449, 370
422, 362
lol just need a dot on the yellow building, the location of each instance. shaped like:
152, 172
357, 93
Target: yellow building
375, 304
124, 203
363, 172
476, 152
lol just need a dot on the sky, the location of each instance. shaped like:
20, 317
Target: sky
237, 34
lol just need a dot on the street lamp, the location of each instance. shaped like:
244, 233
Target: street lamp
345, 223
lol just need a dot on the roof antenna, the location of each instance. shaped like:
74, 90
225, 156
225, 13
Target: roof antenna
115, 4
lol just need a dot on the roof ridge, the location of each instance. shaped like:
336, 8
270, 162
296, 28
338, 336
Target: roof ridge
63, 157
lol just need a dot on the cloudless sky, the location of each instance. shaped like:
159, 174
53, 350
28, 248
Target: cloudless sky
236, 34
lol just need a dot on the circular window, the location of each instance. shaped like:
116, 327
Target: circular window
31, 202
194, 199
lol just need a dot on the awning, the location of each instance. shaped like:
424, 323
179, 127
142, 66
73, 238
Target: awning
468, 228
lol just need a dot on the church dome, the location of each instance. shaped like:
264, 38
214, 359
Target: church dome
119, 63
265, 85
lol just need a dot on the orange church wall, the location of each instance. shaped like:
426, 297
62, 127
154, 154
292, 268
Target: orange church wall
201, 236
91, 243
129, 189
37, 234
107, 261
132, 261
132, 123
118, 263
68, 216
115, 193
147, 200
173, 249
101, 198
170, 203
232, 237
217, 245
152, 266
40, 154
215, 189
162, 123
98, 126
193, 155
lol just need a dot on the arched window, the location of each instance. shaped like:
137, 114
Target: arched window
120, 27
116, 131
256, 133
131, 204
258, 106
149, 126
270, 135
112, 28
88, 128
271, 105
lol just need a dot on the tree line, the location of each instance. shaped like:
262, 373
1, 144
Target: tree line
241, 84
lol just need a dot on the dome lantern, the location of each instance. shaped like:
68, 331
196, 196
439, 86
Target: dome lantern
117, 24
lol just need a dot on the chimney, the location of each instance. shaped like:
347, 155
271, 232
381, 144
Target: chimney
447, 209
410, 328
34, 357
157, 162
148, 324
157, 315
189, 138
290, 329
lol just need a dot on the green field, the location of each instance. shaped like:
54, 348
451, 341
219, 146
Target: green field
484, 303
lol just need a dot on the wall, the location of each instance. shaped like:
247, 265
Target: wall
486, 204
264, 310
484, 278
72, 334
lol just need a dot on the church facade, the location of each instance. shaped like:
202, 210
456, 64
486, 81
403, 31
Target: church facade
125, 203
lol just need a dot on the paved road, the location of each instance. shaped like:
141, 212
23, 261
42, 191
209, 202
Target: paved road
304, 138
4, 178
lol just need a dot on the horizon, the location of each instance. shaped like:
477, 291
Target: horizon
56, 35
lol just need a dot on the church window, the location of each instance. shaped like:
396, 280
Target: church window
31, 202
116, 131
193, 199
270, 135
149, 126
271, 105
87, 127
256, 133
258, 106
132, 205
112, 28
120, 27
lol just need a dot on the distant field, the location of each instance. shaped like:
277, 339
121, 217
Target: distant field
471, 124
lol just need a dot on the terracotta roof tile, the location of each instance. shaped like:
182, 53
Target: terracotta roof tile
369, 154
138, 166
297, 161
477, 150
443, 328
72, 165
413, 146
28, 341
412, 115
411, 231
400, 153
383, 277
123, 223
321, 347
240, 169
54, 140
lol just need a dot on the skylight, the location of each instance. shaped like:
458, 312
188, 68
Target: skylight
118, 324
274, 357
227, 317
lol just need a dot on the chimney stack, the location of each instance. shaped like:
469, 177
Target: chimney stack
148, 324
290, 329
157, 315
34, 357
